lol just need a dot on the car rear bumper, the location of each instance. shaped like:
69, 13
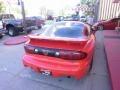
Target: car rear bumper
59, 68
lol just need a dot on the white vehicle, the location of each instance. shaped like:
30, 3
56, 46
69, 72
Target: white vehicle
1, 24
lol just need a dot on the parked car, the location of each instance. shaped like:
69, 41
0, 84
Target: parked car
83, 19
1, 33
66, 48
15, 26
50, 17
68, 18
37, 20
59, 18
71, 18
106, 24
75, 17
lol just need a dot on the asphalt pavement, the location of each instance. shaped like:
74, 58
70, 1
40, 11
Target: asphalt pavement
13, 76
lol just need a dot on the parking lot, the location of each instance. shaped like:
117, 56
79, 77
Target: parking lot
13, 76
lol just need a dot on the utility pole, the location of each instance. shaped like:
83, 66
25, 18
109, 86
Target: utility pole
97, 5
20, 2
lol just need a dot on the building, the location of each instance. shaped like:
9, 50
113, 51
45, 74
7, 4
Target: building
108, 9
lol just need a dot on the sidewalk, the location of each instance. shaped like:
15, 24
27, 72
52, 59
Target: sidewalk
112, 48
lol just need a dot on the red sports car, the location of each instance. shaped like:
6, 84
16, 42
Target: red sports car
66, 48
106, 25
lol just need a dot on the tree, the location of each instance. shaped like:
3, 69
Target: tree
61, 12
2, 7
83, 1
90, 4
87, 1
43, 11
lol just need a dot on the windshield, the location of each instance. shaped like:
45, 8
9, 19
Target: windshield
7, 16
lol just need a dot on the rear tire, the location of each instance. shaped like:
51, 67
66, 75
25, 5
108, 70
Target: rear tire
12, 31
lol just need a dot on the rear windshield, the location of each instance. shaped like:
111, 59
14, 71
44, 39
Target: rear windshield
72, 31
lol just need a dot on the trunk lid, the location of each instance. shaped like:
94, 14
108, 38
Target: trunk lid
58, 43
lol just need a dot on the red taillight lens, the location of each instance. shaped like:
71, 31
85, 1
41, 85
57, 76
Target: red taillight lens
29, 49
64, 54
72, 55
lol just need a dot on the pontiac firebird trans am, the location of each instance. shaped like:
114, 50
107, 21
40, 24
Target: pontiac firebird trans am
64, 49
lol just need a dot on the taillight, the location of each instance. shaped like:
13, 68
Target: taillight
72, 55
29, 49
58, 53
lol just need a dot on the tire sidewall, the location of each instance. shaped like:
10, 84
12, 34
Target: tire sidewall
12, 31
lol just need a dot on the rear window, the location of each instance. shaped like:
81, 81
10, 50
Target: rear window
72, 31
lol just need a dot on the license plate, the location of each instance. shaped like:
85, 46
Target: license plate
45, 72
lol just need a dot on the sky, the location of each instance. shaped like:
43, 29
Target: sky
33, 6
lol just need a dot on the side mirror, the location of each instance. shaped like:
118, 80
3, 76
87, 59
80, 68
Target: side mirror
93, 30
